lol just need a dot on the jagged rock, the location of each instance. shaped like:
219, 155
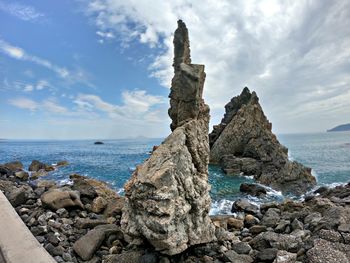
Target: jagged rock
57, 198
252, 189
167, 199
14, 166
22, 175
36, 165
243, 205
244, 143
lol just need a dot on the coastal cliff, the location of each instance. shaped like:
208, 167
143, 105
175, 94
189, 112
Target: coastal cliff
244, 143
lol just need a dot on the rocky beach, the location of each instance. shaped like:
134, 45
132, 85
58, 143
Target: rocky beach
164, 213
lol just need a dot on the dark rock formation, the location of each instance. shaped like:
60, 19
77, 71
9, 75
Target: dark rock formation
244, 143
343, 127
167, 199
98, 143
252, 189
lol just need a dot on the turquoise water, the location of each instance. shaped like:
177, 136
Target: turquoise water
327, 153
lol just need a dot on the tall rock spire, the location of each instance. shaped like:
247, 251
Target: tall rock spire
167, 198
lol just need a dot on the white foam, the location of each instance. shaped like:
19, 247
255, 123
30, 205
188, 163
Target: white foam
221, 207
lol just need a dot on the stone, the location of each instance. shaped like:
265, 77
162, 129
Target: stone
286, 242
252, 189
36, 165
62, 163
285, 257
114, 207
62, 212
235, 223
89, 223
271, 217
244, 143
296, 224
13, 166
167, 199
37, 174
257, 229
99, 204
47, 184
241, 248
81, 184
57, 198
126, 257
232, 256
250, 220
267, 255
22, 175
243, 205
87, 245
324, 251
17, 196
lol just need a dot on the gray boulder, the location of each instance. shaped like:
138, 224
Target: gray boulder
167, 199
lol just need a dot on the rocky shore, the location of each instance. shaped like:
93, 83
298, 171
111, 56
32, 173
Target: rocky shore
80, 222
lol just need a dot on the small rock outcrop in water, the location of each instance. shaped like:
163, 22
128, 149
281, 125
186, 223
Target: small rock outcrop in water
98, 143
167, 199
244, 143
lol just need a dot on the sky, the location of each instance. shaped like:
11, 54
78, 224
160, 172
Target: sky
102, 69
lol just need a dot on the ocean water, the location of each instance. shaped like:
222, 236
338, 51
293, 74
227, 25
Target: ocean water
328, 154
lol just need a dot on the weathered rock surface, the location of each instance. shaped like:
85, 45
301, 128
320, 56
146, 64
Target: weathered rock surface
56, 199
36, 165
167, 199
244, 143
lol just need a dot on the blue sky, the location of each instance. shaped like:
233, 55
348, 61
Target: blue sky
102, 69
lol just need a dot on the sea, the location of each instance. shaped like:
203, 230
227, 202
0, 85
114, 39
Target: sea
328, 154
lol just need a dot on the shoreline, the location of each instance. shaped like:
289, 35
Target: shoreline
90, 229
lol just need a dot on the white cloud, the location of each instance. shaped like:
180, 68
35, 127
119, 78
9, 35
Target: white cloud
24, 103
290, 52
137, 105
105, 34
28, 88
20, 54
23, 12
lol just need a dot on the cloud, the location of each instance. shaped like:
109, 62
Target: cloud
137, 105
23, 12
295, 54
20, 54
24, 103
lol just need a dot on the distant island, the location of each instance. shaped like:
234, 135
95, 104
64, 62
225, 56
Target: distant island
343, 127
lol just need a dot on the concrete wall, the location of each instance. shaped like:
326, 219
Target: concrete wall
17, 244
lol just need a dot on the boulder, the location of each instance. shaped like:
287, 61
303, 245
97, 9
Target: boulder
36, 165
88, 244
22, 175
57, 198
167, 199
252, 189
99, 204
17, 196
37, 174
13, 166
243, 205
244, 143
